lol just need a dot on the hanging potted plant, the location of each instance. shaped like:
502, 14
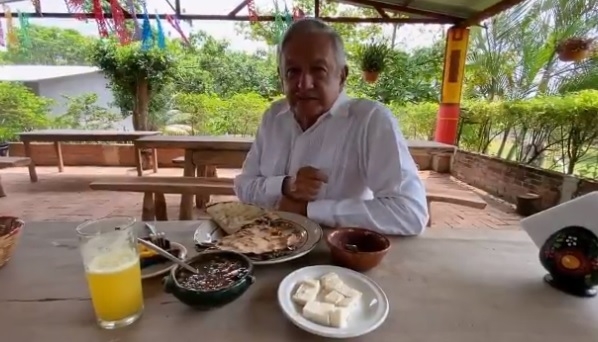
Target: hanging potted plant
373, 60
574, 49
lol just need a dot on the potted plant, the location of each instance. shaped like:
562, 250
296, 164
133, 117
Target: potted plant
373, 60
574, 49
5, 136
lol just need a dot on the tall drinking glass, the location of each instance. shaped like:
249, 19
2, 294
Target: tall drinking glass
111, 261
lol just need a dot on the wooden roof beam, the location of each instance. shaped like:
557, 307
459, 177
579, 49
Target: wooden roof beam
381, 12
239, 7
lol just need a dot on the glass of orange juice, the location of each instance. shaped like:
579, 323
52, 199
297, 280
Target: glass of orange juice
111, 260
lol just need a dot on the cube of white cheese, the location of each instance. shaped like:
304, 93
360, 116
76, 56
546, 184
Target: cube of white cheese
333, 297
339, 317
348, 302
318, 312
331, 281
312, 282
306, 293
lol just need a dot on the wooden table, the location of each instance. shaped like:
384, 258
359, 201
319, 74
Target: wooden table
200, 153
447, 286
58, 136
6, 162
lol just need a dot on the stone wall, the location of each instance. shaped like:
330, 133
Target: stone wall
507, 179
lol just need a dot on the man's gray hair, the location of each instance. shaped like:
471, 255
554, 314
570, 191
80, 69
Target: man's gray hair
313, 25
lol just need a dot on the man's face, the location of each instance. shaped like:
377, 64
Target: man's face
311, 78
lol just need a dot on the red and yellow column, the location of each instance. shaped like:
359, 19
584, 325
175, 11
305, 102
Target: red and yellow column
455, 54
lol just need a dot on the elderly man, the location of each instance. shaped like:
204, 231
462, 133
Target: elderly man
339, 161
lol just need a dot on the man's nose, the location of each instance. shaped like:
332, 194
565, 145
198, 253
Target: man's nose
306, 81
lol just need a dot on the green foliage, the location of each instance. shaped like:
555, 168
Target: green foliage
417, 121
126, 65
210, 114
84, 113
20, 110
52, 46
372, 57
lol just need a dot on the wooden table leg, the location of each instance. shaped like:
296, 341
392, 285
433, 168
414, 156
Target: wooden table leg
160, 205
186, 209
138, 161
155, 158
58, 150
429, 215
2, 193
148, 211
201, 200
32, 172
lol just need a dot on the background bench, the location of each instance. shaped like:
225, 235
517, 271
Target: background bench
154, 188
6, 162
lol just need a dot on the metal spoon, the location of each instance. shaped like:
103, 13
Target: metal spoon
351, 248
167, 255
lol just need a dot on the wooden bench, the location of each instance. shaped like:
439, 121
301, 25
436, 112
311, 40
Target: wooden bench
470, 201
6, 162
154, 188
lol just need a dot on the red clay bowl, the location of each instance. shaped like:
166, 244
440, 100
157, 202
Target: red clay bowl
371, 247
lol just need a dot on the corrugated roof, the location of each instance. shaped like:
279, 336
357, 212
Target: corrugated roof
29, 73
453, 11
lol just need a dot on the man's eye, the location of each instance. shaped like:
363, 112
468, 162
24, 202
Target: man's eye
292, 72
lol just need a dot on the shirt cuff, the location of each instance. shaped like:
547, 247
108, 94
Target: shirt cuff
322, 211
274, 186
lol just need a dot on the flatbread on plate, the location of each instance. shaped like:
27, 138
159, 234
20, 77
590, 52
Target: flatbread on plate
232, 216
266, 234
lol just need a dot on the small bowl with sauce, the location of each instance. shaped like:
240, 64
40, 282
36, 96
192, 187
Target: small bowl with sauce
357, 248
223, 277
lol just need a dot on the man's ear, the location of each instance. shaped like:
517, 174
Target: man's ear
344, 75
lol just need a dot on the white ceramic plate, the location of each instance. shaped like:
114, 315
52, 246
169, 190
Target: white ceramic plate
165, 267
314, 232
370, 313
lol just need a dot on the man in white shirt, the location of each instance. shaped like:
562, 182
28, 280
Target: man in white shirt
339, 161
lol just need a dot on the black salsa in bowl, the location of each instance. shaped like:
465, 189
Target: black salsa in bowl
223, 277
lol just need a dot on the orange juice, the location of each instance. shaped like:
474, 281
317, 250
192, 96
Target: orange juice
114, 282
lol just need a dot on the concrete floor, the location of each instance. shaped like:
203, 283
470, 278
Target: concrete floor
67, 197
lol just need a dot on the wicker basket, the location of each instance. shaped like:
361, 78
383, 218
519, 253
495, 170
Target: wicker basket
10, 231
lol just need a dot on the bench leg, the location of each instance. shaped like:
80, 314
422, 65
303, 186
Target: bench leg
186, 209
201, 200
32, 172
155, 159
429, 215
138, 162
2, 193
160, 205
148, 212
58, 150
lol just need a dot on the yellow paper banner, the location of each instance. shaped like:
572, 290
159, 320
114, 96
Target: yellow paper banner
12, 40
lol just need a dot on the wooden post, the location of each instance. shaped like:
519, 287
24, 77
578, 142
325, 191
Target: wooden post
155, 159
455, 54
2, 193
58, 150
32, 172
148, 212
138, 162
186, 209
160, 205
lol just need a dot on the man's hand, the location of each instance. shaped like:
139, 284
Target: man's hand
306, 184
292, 206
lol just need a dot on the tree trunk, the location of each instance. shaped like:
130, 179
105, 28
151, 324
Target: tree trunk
141, 113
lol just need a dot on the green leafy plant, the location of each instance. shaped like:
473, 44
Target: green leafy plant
134, 74
372, 57
84, 113
20, 110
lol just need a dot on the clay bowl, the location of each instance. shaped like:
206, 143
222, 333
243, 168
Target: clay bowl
357, 248
205, 300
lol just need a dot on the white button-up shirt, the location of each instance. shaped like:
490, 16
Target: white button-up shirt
373, 181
